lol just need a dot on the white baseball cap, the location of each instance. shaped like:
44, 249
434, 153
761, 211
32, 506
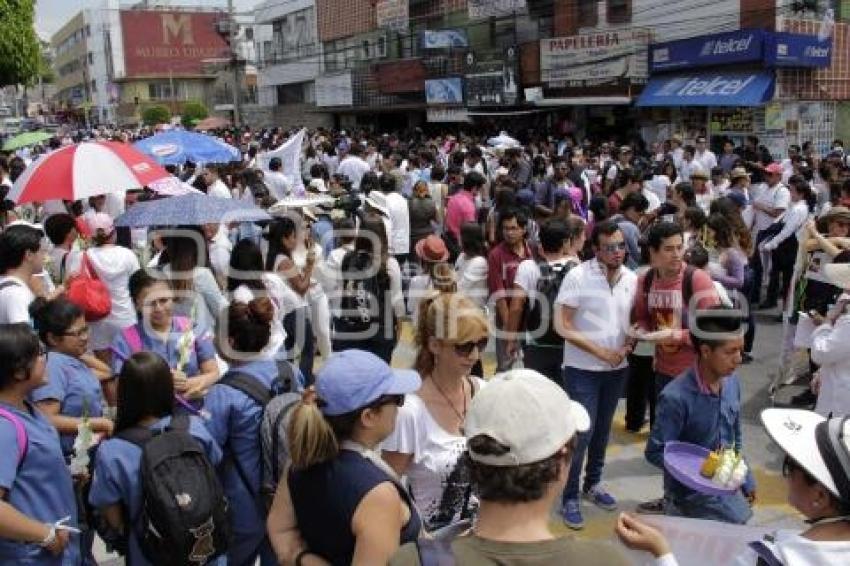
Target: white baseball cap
528, 413
819, 445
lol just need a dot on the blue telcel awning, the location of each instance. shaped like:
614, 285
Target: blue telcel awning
735, 88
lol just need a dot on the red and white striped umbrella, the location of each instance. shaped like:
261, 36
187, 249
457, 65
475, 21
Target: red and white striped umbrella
85, 170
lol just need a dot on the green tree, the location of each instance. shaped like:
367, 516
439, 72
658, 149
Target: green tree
193, 112
154, 115
20, 52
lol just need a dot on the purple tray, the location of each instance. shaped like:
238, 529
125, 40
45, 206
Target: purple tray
684, 460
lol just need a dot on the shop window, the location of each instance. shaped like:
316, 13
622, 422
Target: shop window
367, 51
619, 11
291, 94
588, 13
163, 90
249, 34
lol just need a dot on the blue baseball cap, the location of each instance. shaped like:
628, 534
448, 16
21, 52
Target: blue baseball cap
737, 198
525, 197
353, 379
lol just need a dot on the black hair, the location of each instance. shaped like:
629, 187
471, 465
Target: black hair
697, 256
805, 190
473, 180
599, 207
141, 280
19, 349
369, 182
554, 233
58, 226
145, 389
604, 228
715, 326
248, 259
249, 325
472, 239
387, 184
515, 213
53, 317
279, 228
275, 164
660, 231
695, 217
15, 242
686, 191
724, 235
634, 200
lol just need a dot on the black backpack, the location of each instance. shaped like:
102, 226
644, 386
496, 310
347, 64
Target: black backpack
277, 404
362, 302
184, 517
540, 315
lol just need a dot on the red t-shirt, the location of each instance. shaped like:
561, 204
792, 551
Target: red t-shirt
665, 311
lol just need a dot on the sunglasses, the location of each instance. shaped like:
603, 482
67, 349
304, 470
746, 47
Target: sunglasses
613, 248
465, 349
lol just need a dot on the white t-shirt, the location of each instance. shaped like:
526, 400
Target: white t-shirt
15, 299
399, 239
278, 184
602, 313
354, 168
219, 189
113, 265
707, 159
659, 185
777, 196
220, 249
472, 278
438, 480
528, 274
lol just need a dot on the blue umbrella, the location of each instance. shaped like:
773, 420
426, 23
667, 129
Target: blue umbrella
178, 146
190, 210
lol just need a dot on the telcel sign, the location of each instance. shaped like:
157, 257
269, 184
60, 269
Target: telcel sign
772, 49
733, 47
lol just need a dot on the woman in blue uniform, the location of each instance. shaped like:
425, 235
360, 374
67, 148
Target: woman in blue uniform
72, 391
36, 491
145, 398
161, 332
235, 424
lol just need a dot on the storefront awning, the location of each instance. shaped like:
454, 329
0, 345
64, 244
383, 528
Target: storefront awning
585, 101
737, 88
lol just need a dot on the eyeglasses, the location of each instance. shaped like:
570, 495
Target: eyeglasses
613, 248
160, 302
465, 349
77, 333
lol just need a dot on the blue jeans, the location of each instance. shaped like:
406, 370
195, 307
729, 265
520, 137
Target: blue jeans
599, 392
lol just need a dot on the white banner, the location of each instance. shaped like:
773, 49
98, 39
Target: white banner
479, 9
698, 542
289, 153
334, 90
392, 14
591, 56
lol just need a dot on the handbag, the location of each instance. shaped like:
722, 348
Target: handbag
87, 291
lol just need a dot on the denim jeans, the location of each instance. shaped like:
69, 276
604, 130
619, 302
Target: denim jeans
732, 508
545, 360
599, 392
661, 381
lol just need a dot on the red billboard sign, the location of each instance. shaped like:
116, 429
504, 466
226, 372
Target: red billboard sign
158, 43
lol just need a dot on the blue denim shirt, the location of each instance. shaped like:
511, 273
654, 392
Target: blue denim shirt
686, 414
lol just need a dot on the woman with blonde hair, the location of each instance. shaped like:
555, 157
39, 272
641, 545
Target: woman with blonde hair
428, 440
339, 503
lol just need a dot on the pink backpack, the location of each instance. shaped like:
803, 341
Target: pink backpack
20, 433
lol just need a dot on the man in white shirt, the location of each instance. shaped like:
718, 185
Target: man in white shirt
399, 215
688, 165
353, 166
594, 306
704, 155
22, 254
769, 203
215, 186
220, 248
278, 183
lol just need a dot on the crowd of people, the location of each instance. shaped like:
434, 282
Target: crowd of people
238, 401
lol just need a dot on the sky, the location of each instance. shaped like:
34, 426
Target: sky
50, 15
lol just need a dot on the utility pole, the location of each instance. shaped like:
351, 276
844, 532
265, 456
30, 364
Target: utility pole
233, 31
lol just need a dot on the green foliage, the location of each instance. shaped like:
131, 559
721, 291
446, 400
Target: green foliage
154, 115
20, 53
193, 112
